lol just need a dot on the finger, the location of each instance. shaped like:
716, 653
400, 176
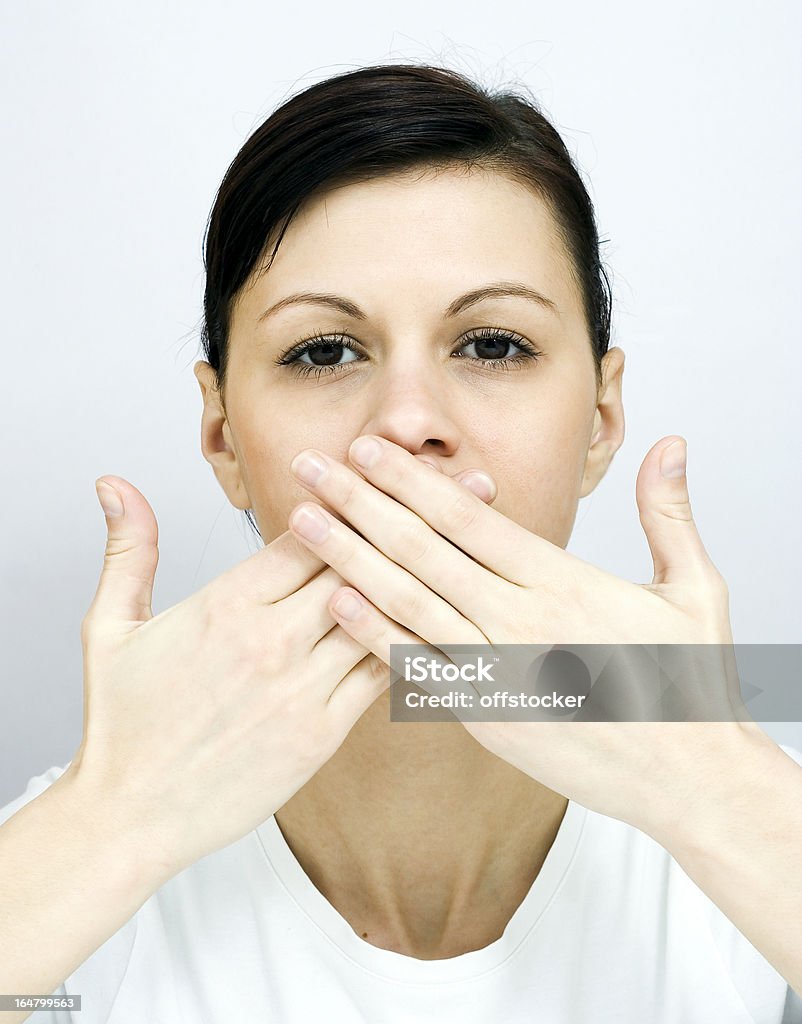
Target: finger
664, 505
400, 533
125, 589
398, 593
346, 668
308, 608
477, 481
333, 657
374, 632
488, 536
357, 690
279, 569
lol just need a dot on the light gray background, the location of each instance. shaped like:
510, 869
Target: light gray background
118, 122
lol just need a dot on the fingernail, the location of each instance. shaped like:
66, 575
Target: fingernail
311, 523
308, 467
348, 606
110, 500
482, 485
365, 452
673, 460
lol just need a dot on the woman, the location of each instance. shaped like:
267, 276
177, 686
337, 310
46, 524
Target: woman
402, 276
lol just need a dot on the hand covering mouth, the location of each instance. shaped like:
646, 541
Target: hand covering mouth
426, 459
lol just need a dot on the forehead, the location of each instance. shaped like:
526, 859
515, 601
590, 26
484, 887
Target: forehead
430, 234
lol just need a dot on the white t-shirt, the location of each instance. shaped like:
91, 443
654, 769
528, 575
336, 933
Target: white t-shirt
612, 931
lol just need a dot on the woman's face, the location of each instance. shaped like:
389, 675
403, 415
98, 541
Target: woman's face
417, 271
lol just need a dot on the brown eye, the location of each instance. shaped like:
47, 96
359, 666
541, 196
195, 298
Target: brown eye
495, 347
491, 347
323, 354
319, 354
326, 354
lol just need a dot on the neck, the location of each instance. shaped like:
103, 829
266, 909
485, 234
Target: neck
423, 840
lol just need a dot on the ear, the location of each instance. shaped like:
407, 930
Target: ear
608, 421
217, 443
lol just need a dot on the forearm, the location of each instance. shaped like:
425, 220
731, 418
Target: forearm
742, 847
71, 875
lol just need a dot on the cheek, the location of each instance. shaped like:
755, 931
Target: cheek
265, 454
540, 484
274, 492
544, 497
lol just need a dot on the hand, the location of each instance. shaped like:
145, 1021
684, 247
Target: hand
202, 721
427, 562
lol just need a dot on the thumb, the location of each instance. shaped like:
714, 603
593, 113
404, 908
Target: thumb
125, 589
661, 491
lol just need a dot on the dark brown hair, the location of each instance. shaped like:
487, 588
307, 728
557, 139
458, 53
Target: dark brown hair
375, 121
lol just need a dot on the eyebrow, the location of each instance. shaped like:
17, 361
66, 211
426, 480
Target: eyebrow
499, 289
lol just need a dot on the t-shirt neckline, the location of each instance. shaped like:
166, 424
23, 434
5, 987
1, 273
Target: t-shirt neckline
389, 964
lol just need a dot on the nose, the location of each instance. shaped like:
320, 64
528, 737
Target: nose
411, 407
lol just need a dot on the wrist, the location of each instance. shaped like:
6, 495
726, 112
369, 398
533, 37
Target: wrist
721, 787
115, 829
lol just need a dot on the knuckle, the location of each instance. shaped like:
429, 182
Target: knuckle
351, 491
716, 585
118, 546
463, 511
397, 475
344, 547
250, 653
408, 606
88, 627
679, 510
207, 612
221, 622
410, 544
377, 670
129, 556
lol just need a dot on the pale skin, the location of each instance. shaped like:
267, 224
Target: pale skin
428, 560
